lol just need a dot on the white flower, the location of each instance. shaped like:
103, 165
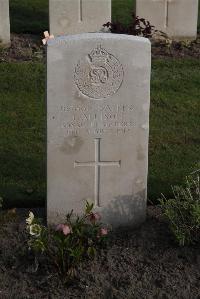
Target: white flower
35, 230
29, 220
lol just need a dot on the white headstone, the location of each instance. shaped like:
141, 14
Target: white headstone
4, 23
177, 18
98, 96
78, 16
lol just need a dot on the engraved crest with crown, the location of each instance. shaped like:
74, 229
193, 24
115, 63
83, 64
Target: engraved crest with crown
99, 75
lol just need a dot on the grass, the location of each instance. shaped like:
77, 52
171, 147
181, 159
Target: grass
175, 122
29, 16
122, 10
22, 133
174, 135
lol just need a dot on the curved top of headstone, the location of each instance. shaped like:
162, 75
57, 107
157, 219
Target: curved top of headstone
98, 99
89, 36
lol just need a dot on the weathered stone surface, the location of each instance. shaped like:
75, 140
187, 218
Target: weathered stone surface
4, 23
177, 18
98, 96
78, 16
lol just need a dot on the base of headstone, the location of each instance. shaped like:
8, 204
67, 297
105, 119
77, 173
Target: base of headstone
4, 24
5, 44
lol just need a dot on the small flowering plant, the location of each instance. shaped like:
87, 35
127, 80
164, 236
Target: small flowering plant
67, 244
183, 211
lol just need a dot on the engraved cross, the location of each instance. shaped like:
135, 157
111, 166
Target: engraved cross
97, 164
167, 12
80, 10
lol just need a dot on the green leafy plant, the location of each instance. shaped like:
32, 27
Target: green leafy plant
67, 244
183, 211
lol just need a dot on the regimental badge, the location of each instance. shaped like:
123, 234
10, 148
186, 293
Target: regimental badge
99, 75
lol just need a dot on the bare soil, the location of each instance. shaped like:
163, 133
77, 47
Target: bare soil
138, 263
177, 49
26, 47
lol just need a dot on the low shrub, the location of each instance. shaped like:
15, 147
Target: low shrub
139, 26
67, 244
183, 211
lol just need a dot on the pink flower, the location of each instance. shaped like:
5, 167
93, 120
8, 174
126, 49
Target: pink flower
64, 228
94, 217
103, 231
59, 227
47, 36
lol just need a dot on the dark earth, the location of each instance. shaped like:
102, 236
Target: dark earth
138, 263
26, 47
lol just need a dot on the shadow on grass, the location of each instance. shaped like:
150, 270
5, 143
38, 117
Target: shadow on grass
29, 16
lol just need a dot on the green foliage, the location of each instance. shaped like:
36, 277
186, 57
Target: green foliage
69, 243
183, 212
